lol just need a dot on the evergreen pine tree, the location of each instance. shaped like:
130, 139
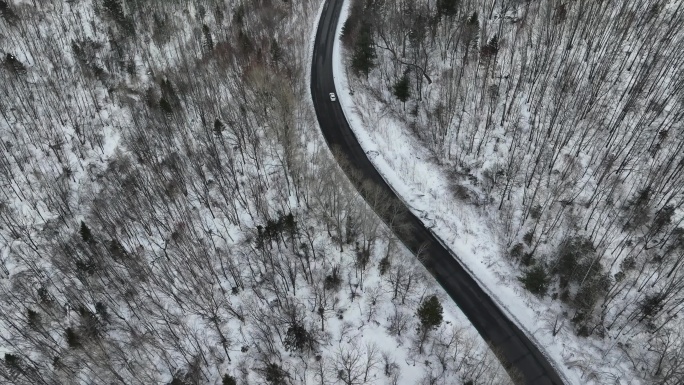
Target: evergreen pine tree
471, 31
363, 58
218, 14
430, 313
115, 9
208, 41
536, 280
86, 235
165, 106
276, 52
218, 127
447, 7
491, 48
7, 13
402, 89
33, 318
274, 374
115, 247
12, 361
473, 20
13, 64
384, 265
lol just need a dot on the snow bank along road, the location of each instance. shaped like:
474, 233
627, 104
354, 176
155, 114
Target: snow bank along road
517, 352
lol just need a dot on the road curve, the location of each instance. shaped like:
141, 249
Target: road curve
518, 354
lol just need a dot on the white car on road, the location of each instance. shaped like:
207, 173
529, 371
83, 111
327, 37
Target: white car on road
333, 98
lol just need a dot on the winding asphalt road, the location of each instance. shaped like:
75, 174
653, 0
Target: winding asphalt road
518, 354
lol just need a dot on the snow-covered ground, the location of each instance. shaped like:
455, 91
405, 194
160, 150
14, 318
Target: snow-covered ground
134, 188
455, 321
469, 232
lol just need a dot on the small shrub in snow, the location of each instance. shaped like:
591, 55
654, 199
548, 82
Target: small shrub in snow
333, 280
517, 251
274, 374
384, 265
651, 305
12, 361
7, 13
13, 64
528, 237
298, 339
447, 8
228, 380
72, 338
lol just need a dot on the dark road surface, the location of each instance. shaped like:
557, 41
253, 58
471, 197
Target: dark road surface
517, 352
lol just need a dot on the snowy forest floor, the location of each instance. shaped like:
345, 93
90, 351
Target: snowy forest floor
170, 213
470, 229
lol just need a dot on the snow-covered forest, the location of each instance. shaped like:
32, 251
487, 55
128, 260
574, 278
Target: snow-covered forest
562, 122
169, 213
